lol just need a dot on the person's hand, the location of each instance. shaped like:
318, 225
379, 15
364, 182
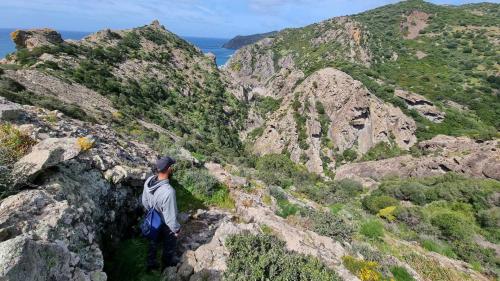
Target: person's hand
177, 233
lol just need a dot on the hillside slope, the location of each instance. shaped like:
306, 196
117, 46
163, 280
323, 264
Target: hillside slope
438, 64
243, 40
145, 80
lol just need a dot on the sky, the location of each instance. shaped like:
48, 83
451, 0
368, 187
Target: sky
201, 18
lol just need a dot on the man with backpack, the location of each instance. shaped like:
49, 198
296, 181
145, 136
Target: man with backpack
158, 197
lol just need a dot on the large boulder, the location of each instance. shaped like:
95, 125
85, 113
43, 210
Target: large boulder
9, 111
33, 38
45, 154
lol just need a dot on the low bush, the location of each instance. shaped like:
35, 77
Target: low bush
401, 274
264, 257
372, 229
332, 192
13, 144
453, 226
199, 181
374, 203
382, 150
328, 224
278, 169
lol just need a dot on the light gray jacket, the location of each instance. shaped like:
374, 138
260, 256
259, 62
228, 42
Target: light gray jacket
161, 196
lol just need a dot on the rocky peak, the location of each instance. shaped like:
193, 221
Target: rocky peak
32, 38
156, 24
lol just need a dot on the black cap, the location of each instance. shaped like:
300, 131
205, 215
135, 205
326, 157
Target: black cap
164, 163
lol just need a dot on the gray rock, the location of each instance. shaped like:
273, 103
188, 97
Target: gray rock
45, 154
8, 110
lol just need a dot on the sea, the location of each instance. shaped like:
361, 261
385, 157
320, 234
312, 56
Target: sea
213, 45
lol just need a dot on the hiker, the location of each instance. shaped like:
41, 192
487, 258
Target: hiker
160, 195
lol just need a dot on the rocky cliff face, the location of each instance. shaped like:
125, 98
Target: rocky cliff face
296, 65
329, 113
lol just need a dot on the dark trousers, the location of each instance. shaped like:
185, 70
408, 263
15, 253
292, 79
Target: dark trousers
168, 241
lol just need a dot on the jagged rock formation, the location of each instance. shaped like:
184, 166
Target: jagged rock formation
360, 45
32, 38
422, 105
336, 108
442, 154
52, 227
241, 41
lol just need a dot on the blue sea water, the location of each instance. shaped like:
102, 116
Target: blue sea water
212, 45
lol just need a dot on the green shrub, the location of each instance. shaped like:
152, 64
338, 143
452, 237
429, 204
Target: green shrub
332, 192
13, 144
199, 181
489, 217
328, 224
400, 274
286, 209
374, 203
382, 150
453, 226
278, 169
264, 257
373, 229
365, 270
438, 247
265, 105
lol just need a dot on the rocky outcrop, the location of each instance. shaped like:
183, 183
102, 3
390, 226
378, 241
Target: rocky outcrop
442, 154
208, 261
53, 230
8, 111
241, 41
422, 105
413, 23
357, 120
33, 38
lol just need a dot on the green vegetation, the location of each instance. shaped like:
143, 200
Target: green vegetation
128, 262
13, 145
372, 229
400, 274
264, 257
278, 169
265, 105
196, 188
332, 192
460, 63
448, 212
365, 270
382, 150
300, 121
200, 117
15, 92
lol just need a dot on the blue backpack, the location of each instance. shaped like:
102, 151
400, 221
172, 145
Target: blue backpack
150, 227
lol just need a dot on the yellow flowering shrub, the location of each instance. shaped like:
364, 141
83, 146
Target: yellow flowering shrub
387, 213
84, 143
364, 270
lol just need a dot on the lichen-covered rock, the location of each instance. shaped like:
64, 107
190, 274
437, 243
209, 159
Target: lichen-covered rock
33, 38
442, 154
54, 230
46, 154
8, 110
